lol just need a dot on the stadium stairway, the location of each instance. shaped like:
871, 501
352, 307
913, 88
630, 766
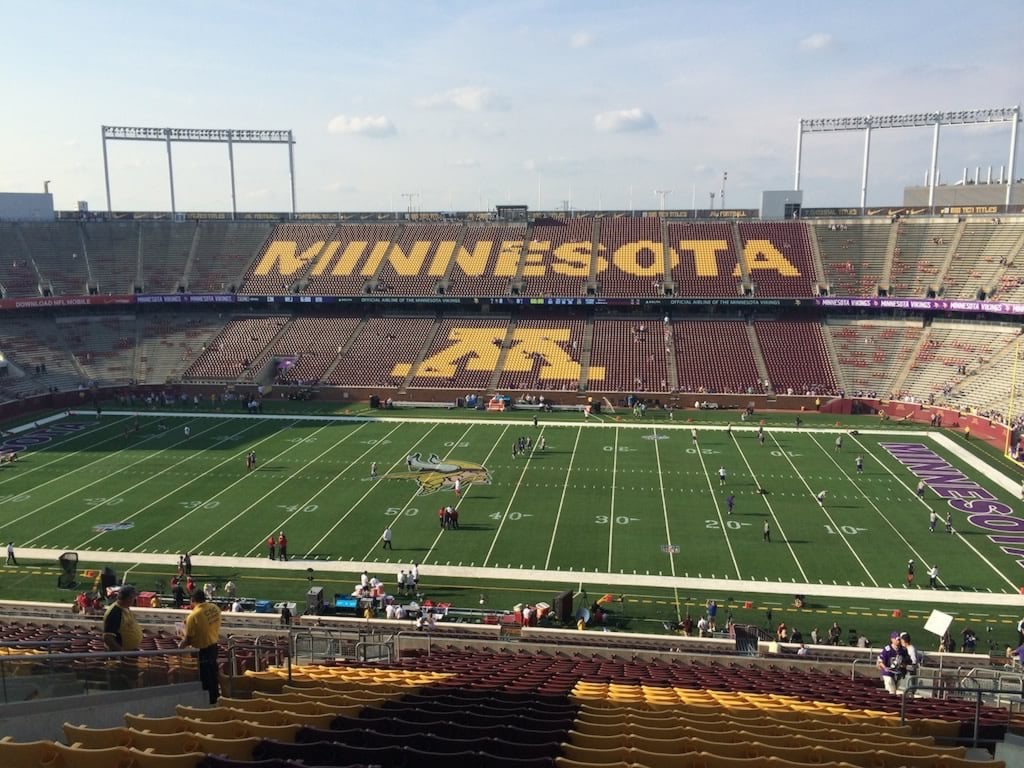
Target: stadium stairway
755, 346
904, 372
585, 352
885, 280
737, 243
954, 244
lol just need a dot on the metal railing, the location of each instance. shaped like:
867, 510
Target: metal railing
50, 675
977, 694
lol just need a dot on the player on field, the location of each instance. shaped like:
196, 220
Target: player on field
839, 443
730, 501
188, 431
860, 465
920, 489
821, 497
766, 532
373, 469
457, 486
721, 475
933, 519
949, 522
693, 436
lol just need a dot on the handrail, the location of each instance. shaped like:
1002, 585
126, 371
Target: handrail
977, 693
53, 658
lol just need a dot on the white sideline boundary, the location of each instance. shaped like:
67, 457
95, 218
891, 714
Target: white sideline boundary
734, 586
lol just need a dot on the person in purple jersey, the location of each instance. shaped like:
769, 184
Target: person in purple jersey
730, 501
892, 663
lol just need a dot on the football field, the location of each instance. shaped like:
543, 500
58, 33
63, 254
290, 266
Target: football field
619, 499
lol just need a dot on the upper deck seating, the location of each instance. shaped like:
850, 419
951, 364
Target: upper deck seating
289, 252
853, 254
487, 260
349, 270
112, 248
18, 275
634, 252
165, 251
779, 258
707, 262
558, 258
56, 248
417, 261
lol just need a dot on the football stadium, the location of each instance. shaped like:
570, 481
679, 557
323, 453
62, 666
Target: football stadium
515, 485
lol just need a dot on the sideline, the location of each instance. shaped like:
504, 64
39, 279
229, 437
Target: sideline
996, 476
735, 587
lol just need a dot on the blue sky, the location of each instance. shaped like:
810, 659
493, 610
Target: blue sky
470, 104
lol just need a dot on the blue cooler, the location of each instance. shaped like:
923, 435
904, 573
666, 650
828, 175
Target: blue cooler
264, 606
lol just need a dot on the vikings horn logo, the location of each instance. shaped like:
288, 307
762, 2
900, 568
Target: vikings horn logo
435, 475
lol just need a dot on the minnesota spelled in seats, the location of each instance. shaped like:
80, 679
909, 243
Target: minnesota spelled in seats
288, 254
417, 261
704, 260
487, 260
634, 252
221, 254
557, 260
778, 258
350, 260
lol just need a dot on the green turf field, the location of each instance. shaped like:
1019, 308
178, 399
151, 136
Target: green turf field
624, 502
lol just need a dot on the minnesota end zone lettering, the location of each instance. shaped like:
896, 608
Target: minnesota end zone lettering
964, 495
477, 349
640, 258
40, 436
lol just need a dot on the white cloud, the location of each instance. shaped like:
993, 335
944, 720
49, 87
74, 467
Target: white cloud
361, 125
819, 41
624, 120
580, 39
465, 162
468, 98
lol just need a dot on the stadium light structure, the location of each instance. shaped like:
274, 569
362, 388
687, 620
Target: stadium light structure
933, 120
229, 136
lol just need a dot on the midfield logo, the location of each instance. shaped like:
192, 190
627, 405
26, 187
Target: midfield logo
435, 475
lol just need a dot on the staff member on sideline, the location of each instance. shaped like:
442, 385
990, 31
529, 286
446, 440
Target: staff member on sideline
202, 630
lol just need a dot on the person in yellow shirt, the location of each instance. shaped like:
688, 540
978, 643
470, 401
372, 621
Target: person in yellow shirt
202, 631
121, 632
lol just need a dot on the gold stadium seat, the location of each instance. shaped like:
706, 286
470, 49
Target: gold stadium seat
585, 755
598, 741
80, 757
96, 738
27, 754
154, 724
147, 759
210, 715
235, 749
164, 743
566, 762
221, 729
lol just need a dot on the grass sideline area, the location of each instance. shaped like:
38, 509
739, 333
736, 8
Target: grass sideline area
612, 498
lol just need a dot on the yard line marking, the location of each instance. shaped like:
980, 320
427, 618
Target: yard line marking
412, 498
288, 479
718, 511
183, 485
60, 442
228, 487
835, 526
884, 517
398, 462
104, 479
504, 517
611, 513
771, 511
957, 533
330, 482
465, 493
664, 509
561, 501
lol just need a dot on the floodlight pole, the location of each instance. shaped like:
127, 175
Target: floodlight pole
231, 171
170, 172
1012, 164
291, 168
106, 167
799, 149
935, 165
864, 173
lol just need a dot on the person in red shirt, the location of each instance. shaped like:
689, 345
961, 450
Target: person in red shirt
270, 547
282, 546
